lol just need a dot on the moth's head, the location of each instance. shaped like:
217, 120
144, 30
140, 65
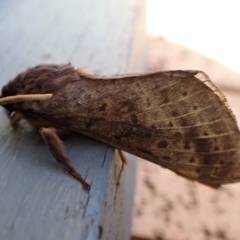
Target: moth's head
42, 79
16, 86
10, 89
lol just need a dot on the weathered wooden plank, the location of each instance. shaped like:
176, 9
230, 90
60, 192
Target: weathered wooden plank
37, 199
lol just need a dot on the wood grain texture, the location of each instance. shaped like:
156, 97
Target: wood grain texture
37, 199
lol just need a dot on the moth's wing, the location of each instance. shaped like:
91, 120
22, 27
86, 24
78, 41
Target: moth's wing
177, 119
194, 132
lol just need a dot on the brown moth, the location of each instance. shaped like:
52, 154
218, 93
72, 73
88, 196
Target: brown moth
176, 119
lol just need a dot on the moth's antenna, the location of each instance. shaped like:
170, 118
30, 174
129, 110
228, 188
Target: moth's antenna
24, 98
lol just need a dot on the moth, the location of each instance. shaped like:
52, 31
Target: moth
177, 119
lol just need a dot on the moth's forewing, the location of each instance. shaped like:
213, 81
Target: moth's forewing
176, 119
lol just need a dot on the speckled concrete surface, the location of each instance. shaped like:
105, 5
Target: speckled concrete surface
168, 207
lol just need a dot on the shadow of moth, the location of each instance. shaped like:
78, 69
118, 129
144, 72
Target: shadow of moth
176, 119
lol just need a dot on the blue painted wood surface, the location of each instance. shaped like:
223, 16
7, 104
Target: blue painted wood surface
38, 200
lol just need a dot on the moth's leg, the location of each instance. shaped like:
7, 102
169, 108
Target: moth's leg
55, 145
15, 118
124, 162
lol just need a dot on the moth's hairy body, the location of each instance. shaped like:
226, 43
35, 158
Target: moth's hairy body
176, 119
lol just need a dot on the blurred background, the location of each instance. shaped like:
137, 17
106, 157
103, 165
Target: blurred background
206, 27
201, 35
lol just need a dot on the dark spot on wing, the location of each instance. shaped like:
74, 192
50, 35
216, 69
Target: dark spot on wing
205, 133
92, 121
199, 170
129, 104
103, 107
145, 151
203, 145
195, 107
186, 145
216, 148
206, 160
166, 158
177, 135
159, 131
38, 84
174, 113
163, 144
146, 131
170, 124
134, 119
192, 132
183, 122
192, 160
185, 94
125, 134
119, 137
